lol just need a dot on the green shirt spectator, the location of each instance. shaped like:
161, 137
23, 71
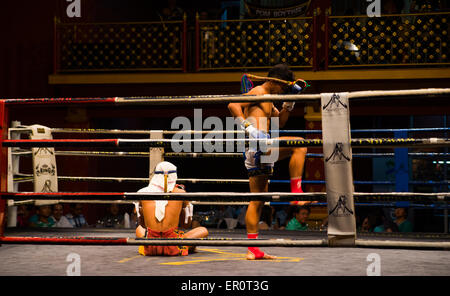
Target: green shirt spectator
301, 214
42, 218
405, 226
379, 228
295, 225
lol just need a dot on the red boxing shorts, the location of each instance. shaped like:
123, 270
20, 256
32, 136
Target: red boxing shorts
164, 250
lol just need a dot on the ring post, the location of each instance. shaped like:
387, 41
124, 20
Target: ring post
3, 162
156, 153
13, 169
45, 173
337, 157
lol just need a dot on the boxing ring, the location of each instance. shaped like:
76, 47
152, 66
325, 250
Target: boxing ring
156, 144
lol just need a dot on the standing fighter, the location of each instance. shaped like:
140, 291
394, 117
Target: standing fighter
161, 217
255, 119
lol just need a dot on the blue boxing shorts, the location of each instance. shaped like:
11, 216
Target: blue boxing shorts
253, 164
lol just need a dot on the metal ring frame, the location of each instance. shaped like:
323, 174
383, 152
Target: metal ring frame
217, 196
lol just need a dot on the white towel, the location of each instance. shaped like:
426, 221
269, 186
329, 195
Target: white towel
160, 205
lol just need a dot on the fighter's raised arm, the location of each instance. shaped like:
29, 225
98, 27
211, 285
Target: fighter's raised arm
237, 110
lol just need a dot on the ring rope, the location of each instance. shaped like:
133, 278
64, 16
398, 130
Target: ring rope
214, 99
228, 196
29, 178
21, 152
172, 132
147, 143
218, 242
435, 206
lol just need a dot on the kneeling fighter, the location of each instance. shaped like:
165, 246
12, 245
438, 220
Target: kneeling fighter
161, 217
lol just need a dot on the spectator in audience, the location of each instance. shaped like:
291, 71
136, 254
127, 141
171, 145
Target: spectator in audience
298, 222
400, 219
42, 217
265, 222
280, 217
23, 216
60, 220
386, 226
241, 217
230, 212
76, 217
113, 219
370, 222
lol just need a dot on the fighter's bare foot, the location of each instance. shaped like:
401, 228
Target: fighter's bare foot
251, 256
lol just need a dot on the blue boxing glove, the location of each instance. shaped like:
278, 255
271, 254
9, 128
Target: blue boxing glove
295, 89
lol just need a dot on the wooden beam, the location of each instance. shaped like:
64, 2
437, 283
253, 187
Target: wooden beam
220, 77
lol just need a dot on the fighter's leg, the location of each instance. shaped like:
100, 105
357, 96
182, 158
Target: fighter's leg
140, 231
198, 232
297, 154
296, 164
257, 184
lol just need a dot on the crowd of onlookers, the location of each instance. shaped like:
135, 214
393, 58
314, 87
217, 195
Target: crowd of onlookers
298, 218
53, 216
272, 218
50, 216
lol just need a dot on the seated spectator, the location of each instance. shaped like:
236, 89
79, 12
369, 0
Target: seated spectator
76, 217
113, 219
400, 219
298, 222
265, 222
365, 226
60, 220
370, 222
280, 217
23, 216
220, 217
42, 217
386, 226
241, 217
230, 212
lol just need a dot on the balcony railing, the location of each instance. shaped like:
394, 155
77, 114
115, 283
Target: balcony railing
357, 41
391, 40
250, 44
120, 46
